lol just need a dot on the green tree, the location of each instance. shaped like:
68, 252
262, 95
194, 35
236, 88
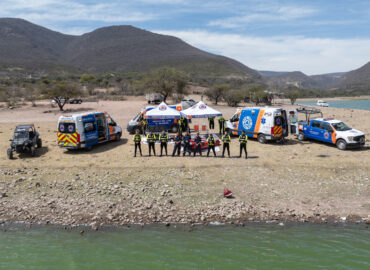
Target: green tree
233, 97
30, 94
293, 94
61, 92
216, 92
166, 81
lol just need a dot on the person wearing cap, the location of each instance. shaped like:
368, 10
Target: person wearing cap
186, 140
177, 146
243, 139
226, 143
198, 145
137, 142
211, 144
151, 141
163, 138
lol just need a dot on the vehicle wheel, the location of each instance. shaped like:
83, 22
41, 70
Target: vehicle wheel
174, 129
33, 151
261, 138
341, 144
80, 101
118, 137
9, 152
39, 143
88, 148
301, 136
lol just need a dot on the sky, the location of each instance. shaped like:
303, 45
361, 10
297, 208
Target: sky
315, 37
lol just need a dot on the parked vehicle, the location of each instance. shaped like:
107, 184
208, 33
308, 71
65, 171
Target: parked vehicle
75, 101
322, 103
155, 98
85, 130
155, 125
25, 140
331, 131
187, 103
263, 123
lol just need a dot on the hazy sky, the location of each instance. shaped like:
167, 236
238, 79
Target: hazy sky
316, 36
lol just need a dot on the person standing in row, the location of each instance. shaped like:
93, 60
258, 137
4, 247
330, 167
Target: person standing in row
177, 146
186, 140
211, 122
221, 122
211, 144
226, 143
151, 141
144, 125
137, 141
198, 145
243, 139
163, 139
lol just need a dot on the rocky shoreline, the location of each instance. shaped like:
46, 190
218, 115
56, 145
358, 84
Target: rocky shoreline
34, 196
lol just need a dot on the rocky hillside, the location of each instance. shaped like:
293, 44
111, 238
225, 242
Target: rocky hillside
108, 49
357, 79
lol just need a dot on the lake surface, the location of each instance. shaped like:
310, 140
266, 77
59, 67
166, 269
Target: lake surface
259, 246
360, 104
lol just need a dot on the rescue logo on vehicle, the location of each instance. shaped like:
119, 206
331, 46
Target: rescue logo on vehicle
162, 108
247, 122
326, 135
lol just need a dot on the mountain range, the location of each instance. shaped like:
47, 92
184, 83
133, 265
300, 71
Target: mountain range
108, 49
30, 48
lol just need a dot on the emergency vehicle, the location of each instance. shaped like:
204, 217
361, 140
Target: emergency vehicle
85, 130
331, 131
155, 125
263, 123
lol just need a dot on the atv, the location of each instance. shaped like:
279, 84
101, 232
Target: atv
25, 140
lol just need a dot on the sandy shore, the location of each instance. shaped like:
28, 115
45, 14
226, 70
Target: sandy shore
298, 181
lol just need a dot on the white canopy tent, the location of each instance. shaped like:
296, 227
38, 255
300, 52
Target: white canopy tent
200, 110
163, 111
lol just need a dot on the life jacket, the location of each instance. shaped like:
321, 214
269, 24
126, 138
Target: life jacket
221, 119
243, 138
137, 138
211, 141
163, 138
226, 138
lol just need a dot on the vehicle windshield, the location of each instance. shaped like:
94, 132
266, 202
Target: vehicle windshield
20, 135
341, 126
136, 117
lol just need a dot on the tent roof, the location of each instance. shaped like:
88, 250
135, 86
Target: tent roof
200, 110
163, 111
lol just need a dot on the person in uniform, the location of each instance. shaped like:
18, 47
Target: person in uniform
226, 143
186, 140
243, 139
137, 141
180, 125
163, 139
221, 122
211, 122
144, 125
177, 146
151, 141
211, 144
198, 145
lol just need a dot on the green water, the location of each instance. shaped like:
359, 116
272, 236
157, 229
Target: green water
212, 247
359, 104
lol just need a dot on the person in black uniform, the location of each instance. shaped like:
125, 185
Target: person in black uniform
177, 146
137, 141
226, 144
221, 122
211, 144
151, 141
186, 140
211, 121
163, 139
243, 139
198, 145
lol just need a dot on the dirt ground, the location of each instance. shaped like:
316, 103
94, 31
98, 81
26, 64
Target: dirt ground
299, 181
